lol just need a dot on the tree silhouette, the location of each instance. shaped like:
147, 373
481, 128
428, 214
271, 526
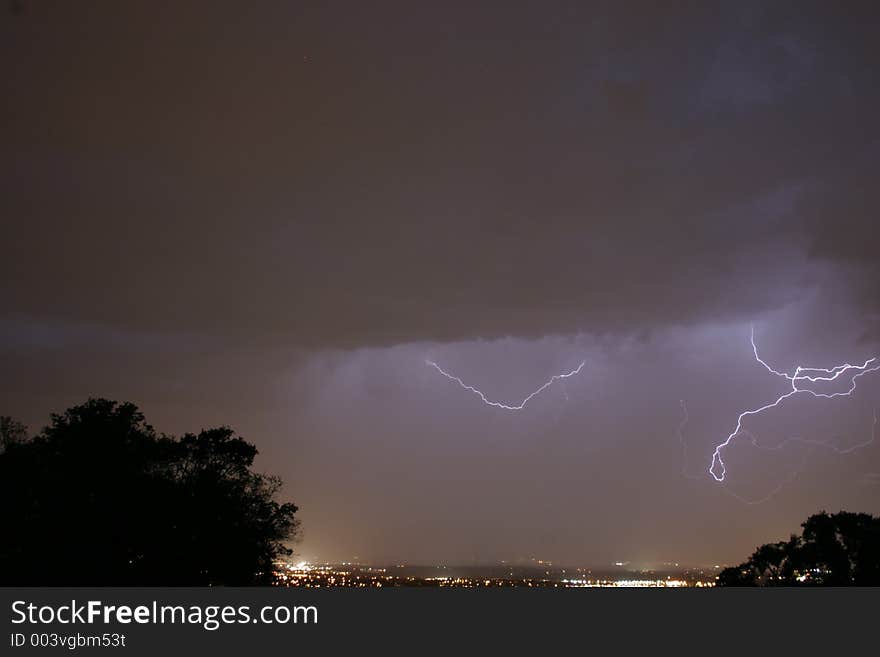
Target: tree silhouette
840, 549
12, 432
99, 498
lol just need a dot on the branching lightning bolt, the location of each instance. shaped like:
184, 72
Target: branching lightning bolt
754, 440
506, 407
801, 375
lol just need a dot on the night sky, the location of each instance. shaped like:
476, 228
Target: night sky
270, 214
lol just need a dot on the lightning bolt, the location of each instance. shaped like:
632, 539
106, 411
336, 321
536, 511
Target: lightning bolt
506, 407
801, 375
779, 446
684, 447
812, 444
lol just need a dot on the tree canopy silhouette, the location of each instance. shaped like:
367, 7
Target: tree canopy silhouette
99, 498
11, 432
840, 549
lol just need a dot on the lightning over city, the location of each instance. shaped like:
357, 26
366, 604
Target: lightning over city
496, 404
467, 294
800, 375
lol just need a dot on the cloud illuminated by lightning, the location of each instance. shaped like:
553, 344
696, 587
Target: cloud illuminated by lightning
801, 375
506, 407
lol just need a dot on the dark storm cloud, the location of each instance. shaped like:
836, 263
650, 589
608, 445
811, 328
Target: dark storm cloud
337, 175
842, 213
